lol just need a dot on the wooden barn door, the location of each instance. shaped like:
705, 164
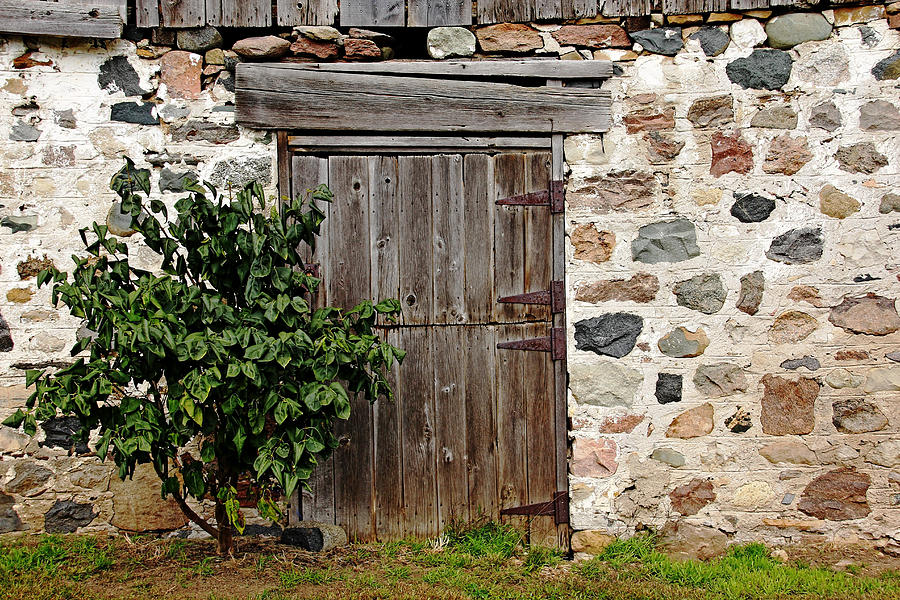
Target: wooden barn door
475, 428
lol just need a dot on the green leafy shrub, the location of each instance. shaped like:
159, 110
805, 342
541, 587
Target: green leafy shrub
217, 366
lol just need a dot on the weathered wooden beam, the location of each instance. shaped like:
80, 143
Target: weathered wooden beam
36, 17
269, 96
472, 69
413, 144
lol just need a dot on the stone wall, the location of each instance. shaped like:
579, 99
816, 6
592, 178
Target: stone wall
732, 268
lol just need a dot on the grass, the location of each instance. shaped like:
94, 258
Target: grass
486, 561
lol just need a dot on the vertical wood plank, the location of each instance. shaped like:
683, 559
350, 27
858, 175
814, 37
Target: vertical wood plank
388, 450
306, 173
246, 13
384, 213
478, 178
284, 169
417, 383
348, 284
576, 9
540, 428
214, 12
318, 500
538, 235
183, 13
438, 13
547, 9
509, 235
147, 13
511, 453
416, 239
481, 422
448, 255
450, 420
369, 13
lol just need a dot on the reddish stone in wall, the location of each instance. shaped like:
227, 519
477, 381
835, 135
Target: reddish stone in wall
357, 49
838, 495
594, 458
650, 119
307, 47
689, 498
509, 37
730, 153
180, 72
788, 407
592, 36
620, 424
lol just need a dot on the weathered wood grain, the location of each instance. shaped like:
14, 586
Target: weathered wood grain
370, 13
538, 236
271, 97
413, 144
245, 13
390, 512
471, 69
481, 422
505, 11
416, 280
418, 423
439, 13
449, 235
36, 17
182, 13
384, 221
511, 418
306, 12
146, 13
450, 379
626, 8
509, 236
576, 9
478, 177
689, 7
539, 421
349, 283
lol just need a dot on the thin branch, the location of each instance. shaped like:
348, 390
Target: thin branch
188, 511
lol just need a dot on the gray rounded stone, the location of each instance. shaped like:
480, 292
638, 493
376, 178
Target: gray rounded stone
665, 241
661, 40
314, 536
776, 117
670, 457
199, 40
825, 116
765, 69
704, 293
712, 40
446, 42
118, 222
786, 31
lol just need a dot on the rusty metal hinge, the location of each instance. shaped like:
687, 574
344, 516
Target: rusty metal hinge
555, 344
555, 297
555, 198
558, 507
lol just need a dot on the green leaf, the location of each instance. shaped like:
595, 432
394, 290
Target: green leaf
15, 420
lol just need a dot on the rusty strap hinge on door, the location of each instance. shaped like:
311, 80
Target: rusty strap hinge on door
555, 344
558, 507
555, 297
555, 198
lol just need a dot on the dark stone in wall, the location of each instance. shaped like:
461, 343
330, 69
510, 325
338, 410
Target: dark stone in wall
173, 181
24, 132
60, 432
9, 518
665, 241
765, 69
609, 335
704, 293
668, 388
204, 131
751, 208
739, 422
810, 362
66, 516
140, 113
889, 68
118, 74
712, 40
797, 246
6, 341
661, 40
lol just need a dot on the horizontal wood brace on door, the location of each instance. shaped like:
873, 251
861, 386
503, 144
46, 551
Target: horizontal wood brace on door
413, 144
555, 297
558, 507
555, 344
555, 198
289, 96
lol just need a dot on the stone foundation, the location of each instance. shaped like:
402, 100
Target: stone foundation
733, 262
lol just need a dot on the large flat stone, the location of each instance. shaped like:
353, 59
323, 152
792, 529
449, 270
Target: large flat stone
138, 507
788, 406
704, 293
764, 69
695, 422
786, 31
797, 246
604, 384
720, 379
838, 495
593, 458
690, 498
685, 541
855, 415
870, 314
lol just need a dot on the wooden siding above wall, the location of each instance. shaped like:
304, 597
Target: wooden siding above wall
285, 96
71, 18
